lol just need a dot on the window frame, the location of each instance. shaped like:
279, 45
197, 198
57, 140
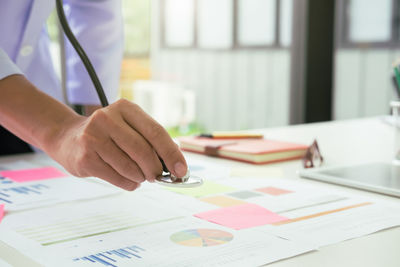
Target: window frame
343, 28
235, 33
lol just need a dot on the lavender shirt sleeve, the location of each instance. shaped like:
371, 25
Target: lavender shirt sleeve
99, 28
7, 67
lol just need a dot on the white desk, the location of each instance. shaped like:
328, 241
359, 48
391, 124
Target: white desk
355, 141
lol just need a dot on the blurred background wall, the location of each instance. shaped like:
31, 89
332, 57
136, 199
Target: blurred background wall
227, 64
367, 44
241, 78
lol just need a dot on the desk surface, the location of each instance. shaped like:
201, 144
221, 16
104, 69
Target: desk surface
341, 142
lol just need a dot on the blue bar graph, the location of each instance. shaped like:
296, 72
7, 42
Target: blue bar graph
5, 181
7, 194
111, 257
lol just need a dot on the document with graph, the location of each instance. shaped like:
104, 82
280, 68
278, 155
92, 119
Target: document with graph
137, 231
232, 221
317, 214
25, 185
292, 209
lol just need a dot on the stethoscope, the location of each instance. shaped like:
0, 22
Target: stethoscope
166, 179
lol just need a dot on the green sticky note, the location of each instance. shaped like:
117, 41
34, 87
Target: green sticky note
208, 188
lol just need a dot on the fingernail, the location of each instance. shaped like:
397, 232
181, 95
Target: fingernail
180, 169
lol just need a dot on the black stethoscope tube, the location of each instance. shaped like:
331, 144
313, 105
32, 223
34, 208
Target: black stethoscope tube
88, 65
86, 61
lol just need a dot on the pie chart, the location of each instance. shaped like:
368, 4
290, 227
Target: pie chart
201, 237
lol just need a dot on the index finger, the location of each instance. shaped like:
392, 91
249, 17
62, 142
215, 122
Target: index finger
157, 136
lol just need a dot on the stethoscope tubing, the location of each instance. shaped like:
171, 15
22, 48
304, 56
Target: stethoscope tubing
82, 54
165, 179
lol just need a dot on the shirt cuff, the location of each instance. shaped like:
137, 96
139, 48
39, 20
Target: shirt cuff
7, 67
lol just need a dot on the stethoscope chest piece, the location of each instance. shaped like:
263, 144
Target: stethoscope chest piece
188, 181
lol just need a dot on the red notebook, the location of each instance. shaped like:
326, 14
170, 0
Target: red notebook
256, 151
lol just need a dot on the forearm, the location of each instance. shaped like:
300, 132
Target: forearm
119, 143
30, 114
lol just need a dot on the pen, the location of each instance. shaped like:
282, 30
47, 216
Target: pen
396, 76
396, 86
232, 135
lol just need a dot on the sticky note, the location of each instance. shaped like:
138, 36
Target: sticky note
208, 188
241, 217
29, 175
274, 191
223, 201
1, 212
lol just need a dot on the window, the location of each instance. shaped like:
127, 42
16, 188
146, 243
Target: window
179, 23
370, 20
256, 22
368, 23
226, 24
214, 22
286, 15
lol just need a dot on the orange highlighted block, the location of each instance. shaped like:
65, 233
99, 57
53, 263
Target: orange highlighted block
274, 191
223, 201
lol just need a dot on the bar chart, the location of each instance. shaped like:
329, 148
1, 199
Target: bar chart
8, 194
5, 181
27, 195
112, 257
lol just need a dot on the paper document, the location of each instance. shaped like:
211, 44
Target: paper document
317, 214
49, 192
4, 264
27, 187
143, 233
304, 212
208, 170
338, 223
231, 221
256, 171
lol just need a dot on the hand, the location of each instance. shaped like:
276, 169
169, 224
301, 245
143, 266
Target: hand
90, 109
118, 144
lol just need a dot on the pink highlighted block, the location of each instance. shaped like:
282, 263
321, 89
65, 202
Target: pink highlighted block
241, 217
29, 175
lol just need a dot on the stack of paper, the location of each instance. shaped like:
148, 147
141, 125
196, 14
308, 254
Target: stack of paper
24, 185
230, 221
